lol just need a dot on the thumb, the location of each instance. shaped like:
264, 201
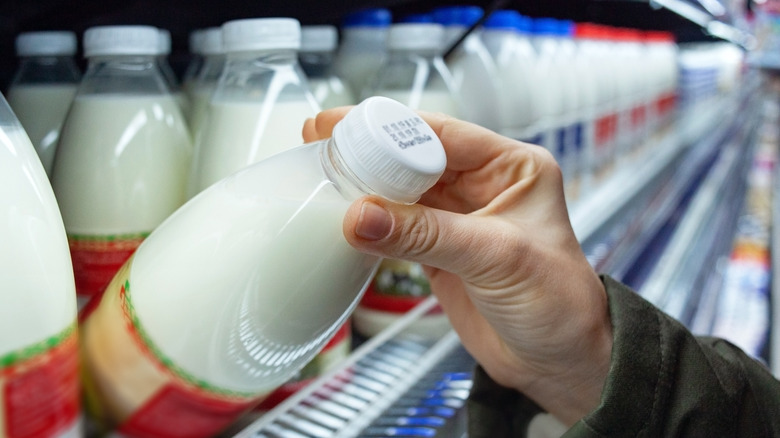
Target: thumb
461, 244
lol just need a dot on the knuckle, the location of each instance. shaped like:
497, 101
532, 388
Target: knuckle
419, 235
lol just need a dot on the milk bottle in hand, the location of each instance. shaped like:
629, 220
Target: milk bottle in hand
246, 282
123, 155
43, 87
39, 386
260, 103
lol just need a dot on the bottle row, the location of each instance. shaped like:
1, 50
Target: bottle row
194, 196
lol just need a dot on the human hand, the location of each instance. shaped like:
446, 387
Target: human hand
502, 259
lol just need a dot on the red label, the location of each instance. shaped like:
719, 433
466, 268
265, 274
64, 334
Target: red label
41, 394
97, 259
176, 412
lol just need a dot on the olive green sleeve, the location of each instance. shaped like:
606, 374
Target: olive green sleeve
662, 381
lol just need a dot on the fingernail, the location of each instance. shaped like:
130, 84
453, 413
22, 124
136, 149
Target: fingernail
374, 222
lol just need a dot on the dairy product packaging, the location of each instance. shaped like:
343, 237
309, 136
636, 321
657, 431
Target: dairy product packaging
202, 86
123, 154
414, 72
363, 47
43, 87
164, 50
260, 102
474, 75
521, 101
244, 284
39, 385
318, 46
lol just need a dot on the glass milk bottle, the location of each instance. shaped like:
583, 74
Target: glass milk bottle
43, 87
474, 74
414, 72
318, 45
260, 103
204, 84
195, 62
123, 155
245, 283
167, 71
363, 47
39, 385
506, 37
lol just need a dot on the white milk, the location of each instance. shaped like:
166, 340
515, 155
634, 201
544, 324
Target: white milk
250, 336
41, 109
127, 173
37, 296
475, 80
241, 133
429, 100
39, 386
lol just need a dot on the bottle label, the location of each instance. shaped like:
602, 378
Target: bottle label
130, 384
97, 258
40, 388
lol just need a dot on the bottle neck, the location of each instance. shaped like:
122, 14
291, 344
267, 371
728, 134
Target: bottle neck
316, 64
348, 184
249, 76
47, 70
127, 74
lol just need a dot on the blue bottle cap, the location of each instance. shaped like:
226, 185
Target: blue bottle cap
546, 26
417, 18
566, 28
457, 15
524, 24
502, 19
378, 17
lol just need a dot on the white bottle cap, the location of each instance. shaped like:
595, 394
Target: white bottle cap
319, 38
261, 34
50, 43
212, 41
415, 36
390, 149
164, 41
121, 40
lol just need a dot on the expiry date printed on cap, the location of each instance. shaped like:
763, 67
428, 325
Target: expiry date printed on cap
405, 132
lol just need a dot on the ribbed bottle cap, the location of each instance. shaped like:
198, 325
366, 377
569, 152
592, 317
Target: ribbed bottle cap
212, 41
415, 36
121, 40
390, 149
254, 34
323, 38
378, 17
165, 42
457, 15
51, 43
